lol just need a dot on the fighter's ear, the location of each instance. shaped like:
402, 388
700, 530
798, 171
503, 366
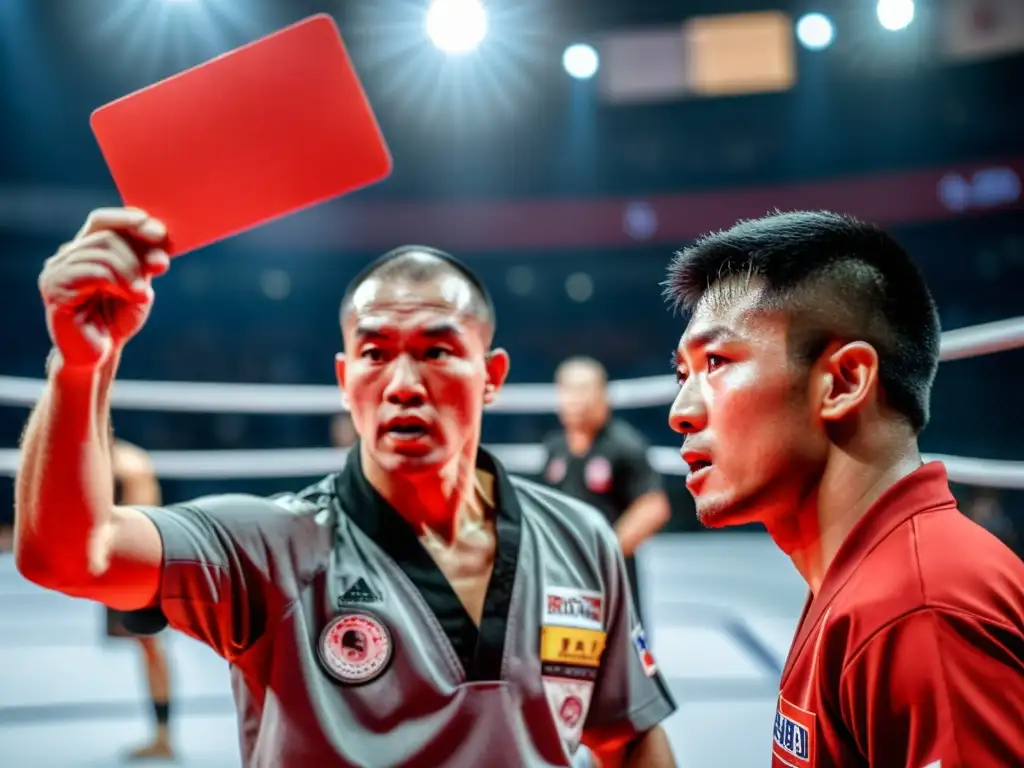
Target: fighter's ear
848, 377
339, 369
498, 363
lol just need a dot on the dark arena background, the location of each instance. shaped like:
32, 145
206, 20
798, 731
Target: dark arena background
564, 149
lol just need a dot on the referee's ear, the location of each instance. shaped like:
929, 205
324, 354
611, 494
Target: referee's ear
497, 364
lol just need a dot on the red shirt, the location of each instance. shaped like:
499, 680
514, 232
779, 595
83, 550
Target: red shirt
911, 655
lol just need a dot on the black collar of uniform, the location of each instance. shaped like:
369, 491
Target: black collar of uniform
376, 518
381, 522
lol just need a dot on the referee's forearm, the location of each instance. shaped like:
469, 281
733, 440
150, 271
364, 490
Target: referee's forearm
62, 499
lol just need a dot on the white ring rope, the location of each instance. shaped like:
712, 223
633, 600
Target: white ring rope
516, 398
197, 397
520, 459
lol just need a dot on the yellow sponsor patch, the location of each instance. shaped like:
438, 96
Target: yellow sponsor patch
571, 645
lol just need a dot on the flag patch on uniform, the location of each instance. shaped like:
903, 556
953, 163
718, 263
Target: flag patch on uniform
646, 657
793, 735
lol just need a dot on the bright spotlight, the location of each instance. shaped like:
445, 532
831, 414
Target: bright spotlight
580, 61
456, 26
895, 15
815, 31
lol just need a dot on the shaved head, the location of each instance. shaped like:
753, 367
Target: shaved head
581, 385
582, 366
416, 265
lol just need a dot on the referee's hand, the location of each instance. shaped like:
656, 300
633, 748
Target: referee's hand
96, 289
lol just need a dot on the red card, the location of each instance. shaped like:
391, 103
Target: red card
262, 131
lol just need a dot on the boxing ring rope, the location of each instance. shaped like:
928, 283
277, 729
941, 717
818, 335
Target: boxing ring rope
958, 344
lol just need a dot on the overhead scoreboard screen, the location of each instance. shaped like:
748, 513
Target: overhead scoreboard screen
706, 56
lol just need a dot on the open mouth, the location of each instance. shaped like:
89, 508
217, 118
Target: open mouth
407, 431
699, 464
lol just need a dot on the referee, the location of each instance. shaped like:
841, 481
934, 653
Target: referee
421, 607
603, 461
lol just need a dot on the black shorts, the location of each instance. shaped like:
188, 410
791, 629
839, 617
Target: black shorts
143, 623
115, 624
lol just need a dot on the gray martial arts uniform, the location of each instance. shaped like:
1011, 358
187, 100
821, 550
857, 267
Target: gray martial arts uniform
348, 646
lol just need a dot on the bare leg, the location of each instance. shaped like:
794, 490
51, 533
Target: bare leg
158, 679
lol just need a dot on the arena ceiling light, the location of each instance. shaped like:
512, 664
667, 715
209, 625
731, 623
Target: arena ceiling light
815, 31
456, 26
580, 61
895, 15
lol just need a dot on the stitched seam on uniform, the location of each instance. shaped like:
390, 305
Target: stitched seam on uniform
945, 687
936, 608
917, 560
931, 611
512, 621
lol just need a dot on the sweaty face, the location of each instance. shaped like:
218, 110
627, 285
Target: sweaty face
415, 371
581, 395
751, 439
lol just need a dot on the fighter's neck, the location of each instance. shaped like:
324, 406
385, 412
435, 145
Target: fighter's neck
446, 504
846, 491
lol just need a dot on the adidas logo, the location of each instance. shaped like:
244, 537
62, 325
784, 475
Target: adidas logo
359, 592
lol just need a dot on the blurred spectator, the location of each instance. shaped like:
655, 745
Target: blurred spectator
984, 507
343, 432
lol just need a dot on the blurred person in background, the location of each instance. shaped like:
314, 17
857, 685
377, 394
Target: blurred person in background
135, 482
343, 432
603, 460
984, 507
805, 374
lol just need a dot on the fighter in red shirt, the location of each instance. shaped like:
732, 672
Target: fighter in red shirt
805, 372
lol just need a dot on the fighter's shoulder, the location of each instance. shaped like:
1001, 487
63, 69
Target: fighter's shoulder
956, 569
310, 504
560, 509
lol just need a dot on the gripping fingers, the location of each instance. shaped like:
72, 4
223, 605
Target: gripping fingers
109, 247
75, 281
138, 224
130, 258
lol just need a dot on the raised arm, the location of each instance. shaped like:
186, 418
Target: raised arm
69, 536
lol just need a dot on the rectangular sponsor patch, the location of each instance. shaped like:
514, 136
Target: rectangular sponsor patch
570, 607
793, 736
571, 646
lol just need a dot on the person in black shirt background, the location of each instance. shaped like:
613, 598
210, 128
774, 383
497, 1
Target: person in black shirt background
603, 460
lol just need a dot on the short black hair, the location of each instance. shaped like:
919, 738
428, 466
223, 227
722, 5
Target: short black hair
837, 277
419, 264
